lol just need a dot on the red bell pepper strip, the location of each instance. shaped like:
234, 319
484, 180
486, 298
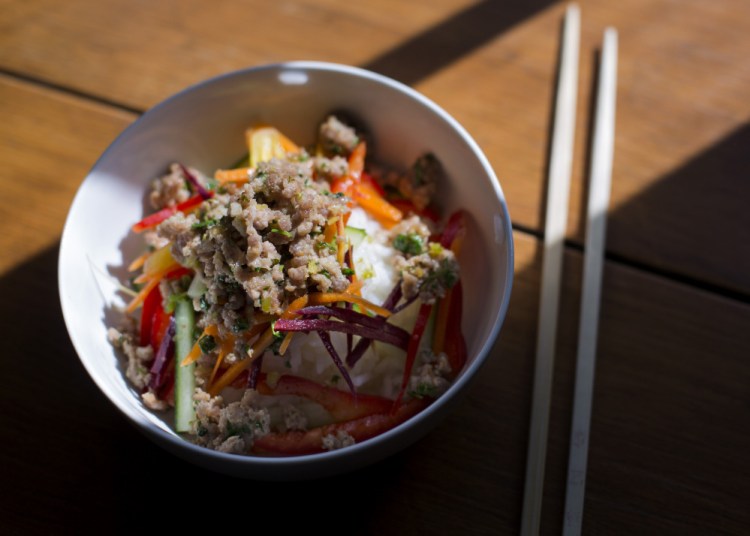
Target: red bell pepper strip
156, 218
454, 231
342, 405
153, 299
369, 179
297, 443
411, 354
159, 325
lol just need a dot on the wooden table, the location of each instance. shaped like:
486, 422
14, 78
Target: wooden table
670, 443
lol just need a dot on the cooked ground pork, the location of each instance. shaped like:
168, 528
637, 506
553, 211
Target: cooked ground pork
261, 245
430, 378
336, 138
171, 189
229, 428
339, 440
420, 183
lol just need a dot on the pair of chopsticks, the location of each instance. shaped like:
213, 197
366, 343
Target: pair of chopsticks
556, 218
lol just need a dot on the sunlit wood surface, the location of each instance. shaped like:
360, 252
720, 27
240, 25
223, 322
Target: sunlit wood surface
669, 445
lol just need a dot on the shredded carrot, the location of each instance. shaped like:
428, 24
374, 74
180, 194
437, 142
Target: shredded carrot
288, 145
141, 296
330, 231
263, 342
297, 304
227, 345
145, 277
321, 298
196, 352
357, 161
138, 262
286, 342
370, 200
239, 175
355, 286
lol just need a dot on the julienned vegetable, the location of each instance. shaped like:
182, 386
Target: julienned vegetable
184, 412
297, 304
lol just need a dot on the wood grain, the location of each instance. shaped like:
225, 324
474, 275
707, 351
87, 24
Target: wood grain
669, 443
682, 102
48, 142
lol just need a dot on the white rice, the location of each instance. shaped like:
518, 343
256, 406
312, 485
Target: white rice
380, 370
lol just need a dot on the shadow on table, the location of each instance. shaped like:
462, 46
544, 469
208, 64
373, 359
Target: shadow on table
72, 462
437, 47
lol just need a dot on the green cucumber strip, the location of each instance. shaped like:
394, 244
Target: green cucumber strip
184, 379
355, 235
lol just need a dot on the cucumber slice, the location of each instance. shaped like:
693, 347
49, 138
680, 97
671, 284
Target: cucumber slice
355, 235
184, 379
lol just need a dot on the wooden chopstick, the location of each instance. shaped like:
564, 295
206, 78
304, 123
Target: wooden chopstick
599, 190
558, 186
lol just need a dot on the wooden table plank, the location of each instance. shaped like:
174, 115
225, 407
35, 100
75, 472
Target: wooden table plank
668, 446
682, 92
48, 142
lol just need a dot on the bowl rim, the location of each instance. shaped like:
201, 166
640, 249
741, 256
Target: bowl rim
456, 386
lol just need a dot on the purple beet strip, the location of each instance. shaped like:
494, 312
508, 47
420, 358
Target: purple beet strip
205, 194
165, 351
326, 338
317, 324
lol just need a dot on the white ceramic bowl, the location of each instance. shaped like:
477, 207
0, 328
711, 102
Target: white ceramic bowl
203, 126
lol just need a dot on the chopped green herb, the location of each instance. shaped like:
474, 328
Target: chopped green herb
240, 325
410, 243
135, 286
282, 232
347, 271
423, 390
204, 303
204, 225
207, 343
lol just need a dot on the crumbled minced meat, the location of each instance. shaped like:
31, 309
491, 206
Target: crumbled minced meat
420, 183
331, 168
172, 188
294, 419
430, 378
261, 245
336, 138
138, 356
429, 274
338, 440
231, 428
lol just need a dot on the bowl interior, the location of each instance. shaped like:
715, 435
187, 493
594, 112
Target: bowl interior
204, 127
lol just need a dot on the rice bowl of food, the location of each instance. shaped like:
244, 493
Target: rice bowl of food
269, 272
